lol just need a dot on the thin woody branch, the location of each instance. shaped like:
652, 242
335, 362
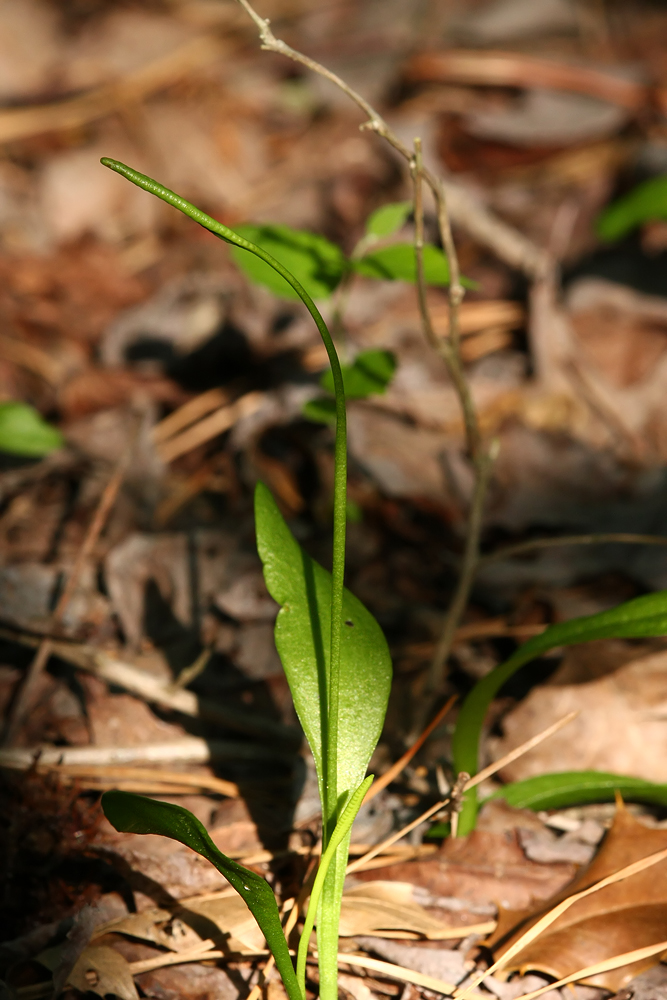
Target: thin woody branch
510, 245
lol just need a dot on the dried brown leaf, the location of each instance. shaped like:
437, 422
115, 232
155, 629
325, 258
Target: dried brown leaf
222, 918
619, 918
387, 909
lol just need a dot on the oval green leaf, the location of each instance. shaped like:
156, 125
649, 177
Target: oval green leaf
131, 813
24, 432
641, 617
303, 589
315, 262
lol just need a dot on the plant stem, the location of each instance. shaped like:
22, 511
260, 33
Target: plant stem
329, 738
471, 558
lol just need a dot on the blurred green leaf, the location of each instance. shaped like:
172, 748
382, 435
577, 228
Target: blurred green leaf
131, 813
355, 513
388, 219
646, 202
369, 374
397, 263
24, 432
572, 788
321, 410
641, 617
315, 262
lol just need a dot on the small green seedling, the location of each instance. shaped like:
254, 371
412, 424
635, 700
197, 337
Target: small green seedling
639, 618
320, 266
333, 651
24, 432
645, 203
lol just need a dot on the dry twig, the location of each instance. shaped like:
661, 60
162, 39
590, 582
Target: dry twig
510, 245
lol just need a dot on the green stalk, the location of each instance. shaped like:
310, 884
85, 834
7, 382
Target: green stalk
332, 884
343, 828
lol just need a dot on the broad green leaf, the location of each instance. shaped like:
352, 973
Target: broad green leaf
303, 589
315, 262
23, 432
369, 374
131, 813
572, 788
388, 219
646, 202
643, 616
321, 410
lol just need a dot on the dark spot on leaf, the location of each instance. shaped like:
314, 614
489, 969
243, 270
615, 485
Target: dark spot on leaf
350, 623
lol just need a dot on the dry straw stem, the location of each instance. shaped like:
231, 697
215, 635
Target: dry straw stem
548, 919
450, 350
116, 775
599, 538
403, 975
46, 647
470, 783
154, 690
209, 427
402, 762
188, 413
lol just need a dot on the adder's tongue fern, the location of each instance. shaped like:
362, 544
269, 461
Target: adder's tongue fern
339, 679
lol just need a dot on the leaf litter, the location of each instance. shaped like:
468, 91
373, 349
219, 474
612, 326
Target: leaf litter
597, 408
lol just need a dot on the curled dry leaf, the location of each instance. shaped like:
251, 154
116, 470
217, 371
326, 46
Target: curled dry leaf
221, 917
102, 970
620, 918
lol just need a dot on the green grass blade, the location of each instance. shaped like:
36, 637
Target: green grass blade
343, 828
131, 813
572, 788
643, 616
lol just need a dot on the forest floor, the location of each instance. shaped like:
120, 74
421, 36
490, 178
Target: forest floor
177, 385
